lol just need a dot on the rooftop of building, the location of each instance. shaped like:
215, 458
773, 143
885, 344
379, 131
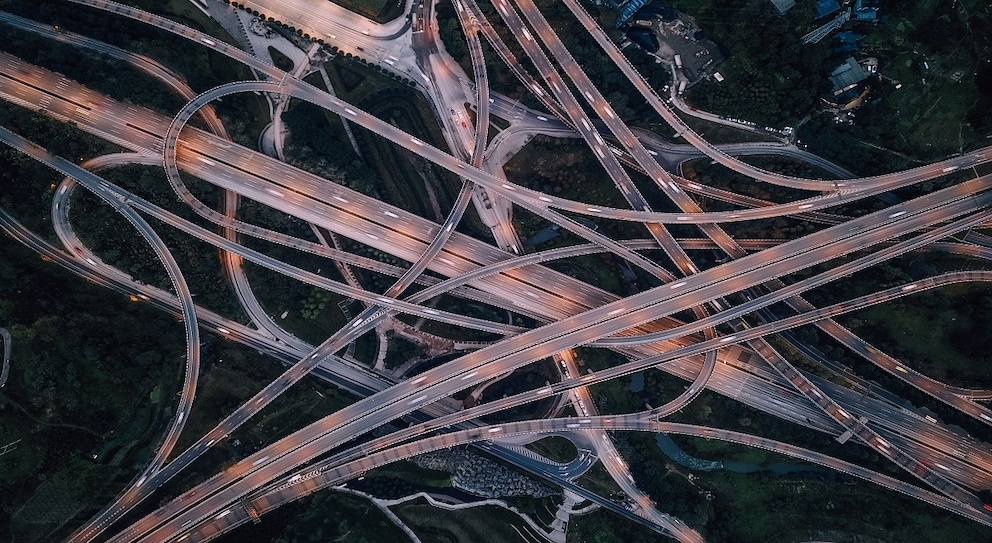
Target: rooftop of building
782, 6
628, 9
825, 7
847, 74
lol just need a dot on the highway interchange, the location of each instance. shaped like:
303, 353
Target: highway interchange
641, 326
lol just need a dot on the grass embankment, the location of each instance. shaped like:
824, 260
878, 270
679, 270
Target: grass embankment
941, 333
484, 524
554, 448
412, 473
321, 518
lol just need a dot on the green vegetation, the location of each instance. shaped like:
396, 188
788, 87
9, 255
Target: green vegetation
280, 60
705, 173
563, 167
283, 295
220, 391
653, 473
603, 526
320, 518
935, 50
758, 506
117, 78
942, 115
399, 351
529, 377
770, 77
714, 448
78, 346
799, 508
315, 304
603, 73
201, 67
393, 483
484, 524
232, 374
713, 132
942, 333
499, 77
412, 473
310, 400
841, 144
612, 396
599, 270
567, 168
556, 448
75, 347
318, 143
117, 242
472, 309
598, 480
22, 175
366, 348
762, 506
410, 182
953, 317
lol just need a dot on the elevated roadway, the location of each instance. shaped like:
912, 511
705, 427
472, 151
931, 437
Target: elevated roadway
187, 310
578, 77
384, 405
514, 192
178, 85
298, 486
645, 89
977, 157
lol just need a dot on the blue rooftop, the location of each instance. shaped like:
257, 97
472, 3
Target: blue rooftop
826, 7
783, 5
629, 9
864, 13
848, 36
847, 74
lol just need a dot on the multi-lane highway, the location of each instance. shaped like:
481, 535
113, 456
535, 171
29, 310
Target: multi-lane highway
519, 350
642, 326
